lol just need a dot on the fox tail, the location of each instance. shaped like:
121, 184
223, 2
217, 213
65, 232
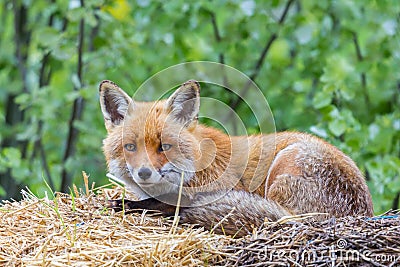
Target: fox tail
232, 212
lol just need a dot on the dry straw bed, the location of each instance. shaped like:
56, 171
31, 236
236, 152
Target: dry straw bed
344, 241
77, 230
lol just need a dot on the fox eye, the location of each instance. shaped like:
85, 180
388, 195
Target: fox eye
164, 147
130, 147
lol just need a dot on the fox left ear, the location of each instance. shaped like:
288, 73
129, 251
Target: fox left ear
184, 103
115, 103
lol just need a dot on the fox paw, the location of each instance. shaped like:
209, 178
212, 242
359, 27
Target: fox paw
152, 205
120, 205
115, 204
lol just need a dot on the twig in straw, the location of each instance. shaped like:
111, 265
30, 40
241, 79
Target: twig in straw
178, 204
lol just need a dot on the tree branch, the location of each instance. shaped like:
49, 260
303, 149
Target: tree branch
44, 78
21, 39
260, 61
13, 114
363, 76
76, 115
396, 201
38, 147
217, 36
3, 22
93, 33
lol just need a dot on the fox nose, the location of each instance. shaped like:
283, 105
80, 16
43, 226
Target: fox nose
144, 173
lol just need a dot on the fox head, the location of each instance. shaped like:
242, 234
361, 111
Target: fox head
151, 144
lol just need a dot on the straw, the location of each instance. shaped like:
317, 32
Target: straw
78, 229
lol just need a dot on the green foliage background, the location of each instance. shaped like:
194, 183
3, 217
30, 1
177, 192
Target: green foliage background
326, 67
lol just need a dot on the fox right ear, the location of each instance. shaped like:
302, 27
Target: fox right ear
184, 103
114, 103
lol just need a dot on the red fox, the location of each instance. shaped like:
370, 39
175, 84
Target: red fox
235, 182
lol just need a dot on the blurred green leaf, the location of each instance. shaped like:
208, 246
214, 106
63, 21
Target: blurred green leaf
10, 158
322, 99
3, 192
337, 127
48, 37
76, 14
330, 68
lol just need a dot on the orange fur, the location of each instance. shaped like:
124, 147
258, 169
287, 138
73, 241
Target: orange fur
300, 172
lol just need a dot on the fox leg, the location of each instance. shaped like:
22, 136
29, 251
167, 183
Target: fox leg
298, 194
131, 206
337, 197
165, 204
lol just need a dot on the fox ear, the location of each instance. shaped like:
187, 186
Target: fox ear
184, 103
114, 103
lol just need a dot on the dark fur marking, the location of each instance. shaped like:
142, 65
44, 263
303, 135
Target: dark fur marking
153, 204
